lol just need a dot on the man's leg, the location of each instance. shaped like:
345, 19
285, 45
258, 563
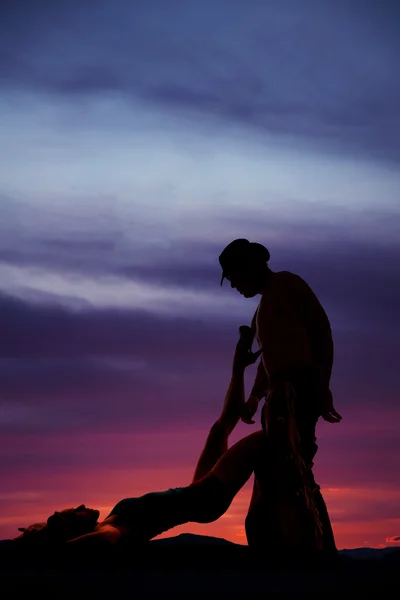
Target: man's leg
291, 422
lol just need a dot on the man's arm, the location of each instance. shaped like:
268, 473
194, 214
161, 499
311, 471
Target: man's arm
318, 329
261, 382
258, 392
319, 335
260, 385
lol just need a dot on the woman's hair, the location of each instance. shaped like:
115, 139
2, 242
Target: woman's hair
38, 533
58, 529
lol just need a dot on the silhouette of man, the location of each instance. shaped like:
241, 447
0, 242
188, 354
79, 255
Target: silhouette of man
290, 323
293, 375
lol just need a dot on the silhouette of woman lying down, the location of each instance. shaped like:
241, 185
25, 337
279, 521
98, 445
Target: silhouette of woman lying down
219, 475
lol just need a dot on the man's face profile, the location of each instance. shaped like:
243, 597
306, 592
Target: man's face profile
243, 281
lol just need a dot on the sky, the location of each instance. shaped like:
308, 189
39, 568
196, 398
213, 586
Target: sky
137, 140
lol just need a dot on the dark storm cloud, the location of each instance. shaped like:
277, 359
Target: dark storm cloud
325, 70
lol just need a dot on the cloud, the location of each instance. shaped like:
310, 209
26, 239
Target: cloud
106, 450
393, 540
51, 331
361, 453
349, 257
83, 380
361, 503
64, 368
325, 72
63, 355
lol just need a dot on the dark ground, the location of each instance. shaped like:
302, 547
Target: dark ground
194, 566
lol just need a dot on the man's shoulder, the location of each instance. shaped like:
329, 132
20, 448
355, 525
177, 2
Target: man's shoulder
286, 275
293, 285
289, 278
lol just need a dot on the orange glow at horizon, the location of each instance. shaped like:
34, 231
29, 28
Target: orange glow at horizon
103, 468
103, 490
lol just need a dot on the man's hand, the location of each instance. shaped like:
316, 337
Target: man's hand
249, 410
328, 412
243, 356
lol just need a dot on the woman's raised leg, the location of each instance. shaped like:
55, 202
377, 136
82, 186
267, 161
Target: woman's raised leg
217, 440
235, 467
206, 500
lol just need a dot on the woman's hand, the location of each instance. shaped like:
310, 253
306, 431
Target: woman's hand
244, 356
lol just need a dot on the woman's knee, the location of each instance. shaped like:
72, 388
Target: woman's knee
252, 445
211, 499
237, 464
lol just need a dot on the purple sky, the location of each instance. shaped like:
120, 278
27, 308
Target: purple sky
137, 140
